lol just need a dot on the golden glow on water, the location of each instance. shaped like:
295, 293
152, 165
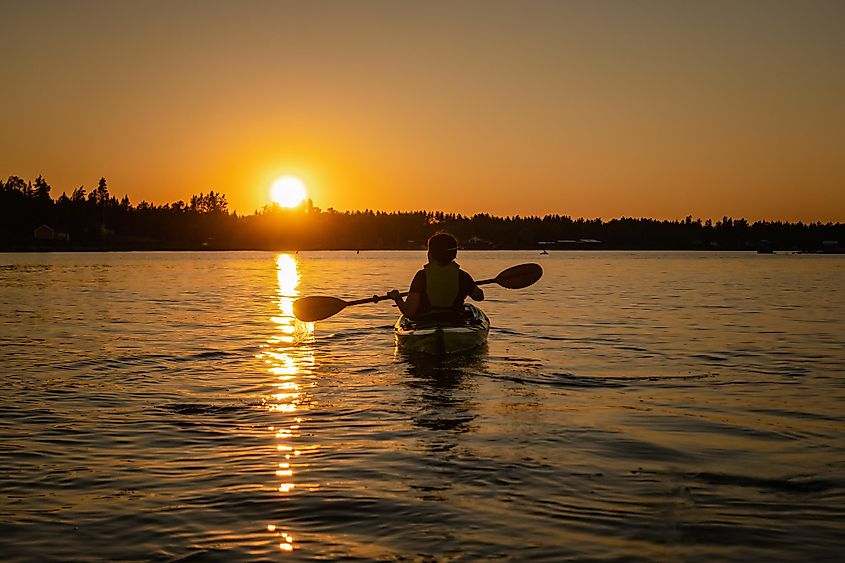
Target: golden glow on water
282, 408
286, 357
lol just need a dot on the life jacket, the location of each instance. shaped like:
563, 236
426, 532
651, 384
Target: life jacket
441, 284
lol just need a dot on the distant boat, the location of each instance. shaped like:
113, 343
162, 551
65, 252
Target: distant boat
545, 252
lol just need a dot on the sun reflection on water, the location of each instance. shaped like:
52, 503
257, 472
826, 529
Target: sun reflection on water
287, 361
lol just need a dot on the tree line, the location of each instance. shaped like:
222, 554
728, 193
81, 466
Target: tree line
31, 219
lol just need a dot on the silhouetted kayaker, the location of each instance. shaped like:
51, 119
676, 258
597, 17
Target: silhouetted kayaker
440, 288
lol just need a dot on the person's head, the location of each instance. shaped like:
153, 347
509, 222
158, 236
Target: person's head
442, 247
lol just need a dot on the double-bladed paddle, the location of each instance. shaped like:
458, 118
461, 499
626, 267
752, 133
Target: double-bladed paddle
318, 307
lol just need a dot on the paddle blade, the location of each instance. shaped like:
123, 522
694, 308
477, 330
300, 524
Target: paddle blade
317, 308
517, 277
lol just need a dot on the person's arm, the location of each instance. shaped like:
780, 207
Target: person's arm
472, 290
476, 294
410, 305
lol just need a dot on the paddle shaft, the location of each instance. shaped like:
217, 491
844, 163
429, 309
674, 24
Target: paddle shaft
377, 298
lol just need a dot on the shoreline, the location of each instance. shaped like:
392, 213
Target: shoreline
22, 249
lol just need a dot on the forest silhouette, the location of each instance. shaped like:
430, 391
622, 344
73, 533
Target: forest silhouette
30, 219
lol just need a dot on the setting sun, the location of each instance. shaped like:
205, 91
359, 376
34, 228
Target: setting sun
288, 191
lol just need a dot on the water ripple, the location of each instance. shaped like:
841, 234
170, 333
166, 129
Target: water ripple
629, 407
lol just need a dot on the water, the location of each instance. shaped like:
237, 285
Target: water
629, 406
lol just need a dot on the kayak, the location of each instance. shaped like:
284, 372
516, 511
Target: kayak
445, 337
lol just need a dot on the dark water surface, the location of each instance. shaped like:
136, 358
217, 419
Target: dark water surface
630, 406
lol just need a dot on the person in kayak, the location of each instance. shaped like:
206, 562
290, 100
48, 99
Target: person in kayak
440, 288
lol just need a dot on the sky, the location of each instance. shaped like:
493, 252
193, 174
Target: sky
592, 108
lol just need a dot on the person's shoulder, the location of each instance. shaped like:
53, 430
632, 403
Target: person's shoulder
418, 283
465, 274
465, 281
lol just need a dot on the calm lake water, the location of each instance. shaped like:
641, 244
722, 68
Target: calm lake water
629, 406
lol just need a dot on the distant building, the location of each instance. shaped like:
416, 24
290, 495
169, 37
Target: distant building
832, 247
478, 242
46, 232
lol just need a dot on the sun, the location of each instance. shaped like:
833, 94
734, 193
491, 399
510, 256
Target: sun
288, 191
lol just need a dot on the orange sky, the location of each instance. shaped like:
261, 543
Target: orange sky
596, 109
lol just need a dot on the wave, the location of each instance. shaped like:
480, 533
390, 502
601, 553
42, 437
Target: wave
154, 359
574, 381
797, 484
208, 408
